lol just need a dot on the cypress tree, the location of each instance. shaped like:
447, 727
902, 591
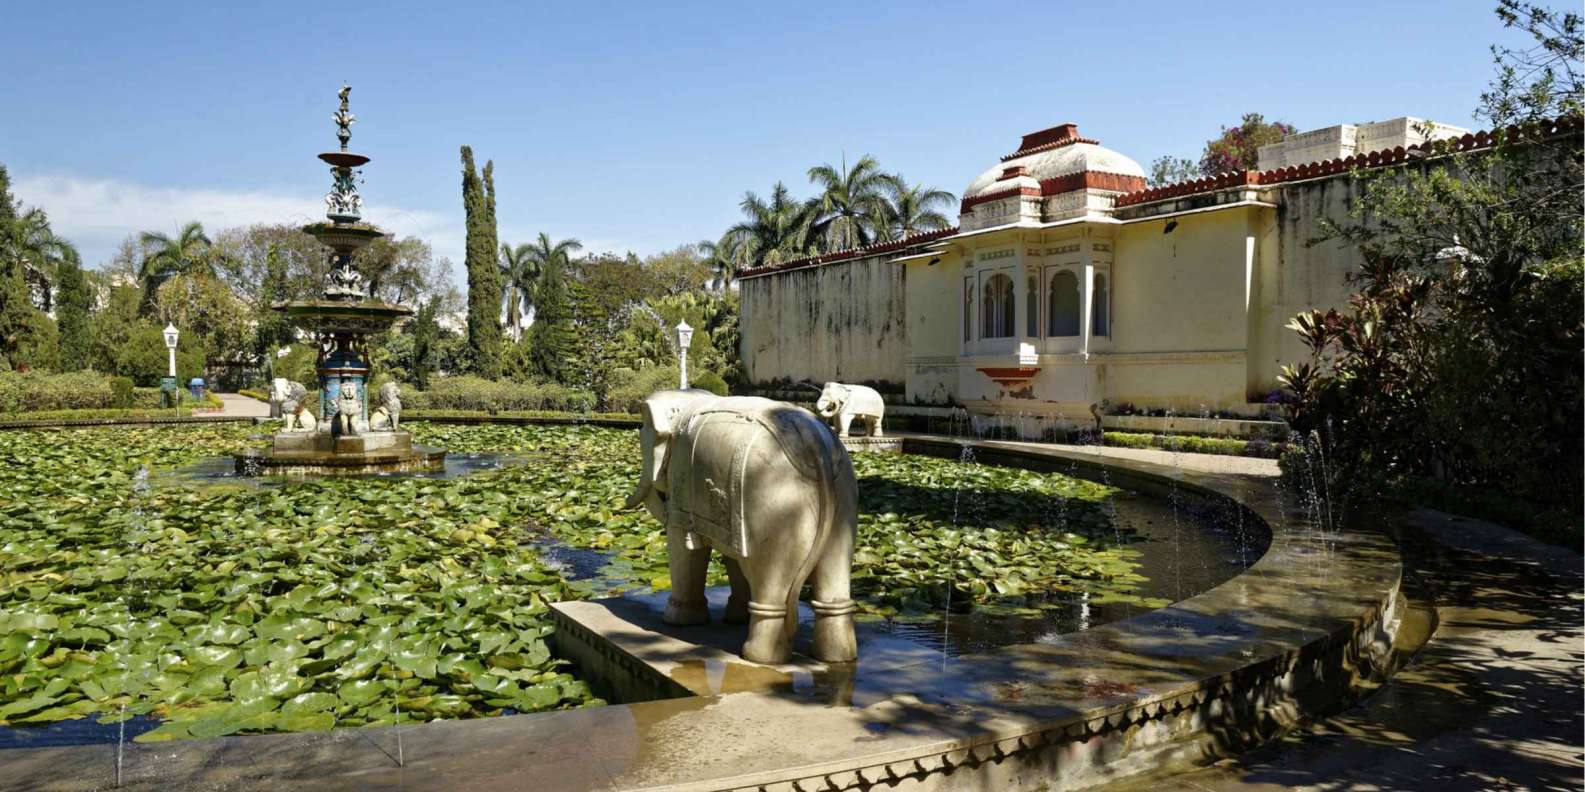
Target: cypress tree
16, 303
551, 337
71, 315
484, 278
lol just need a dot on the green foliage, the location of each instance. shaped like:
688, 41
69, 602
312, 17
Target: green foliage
1194, 444
165, 257
1458, 359
206, 311
238, 610
16, 313
630, 388
299, 365
74, 300
40, 347
552, 341
333, 603
484, 279
474, 393
121, 392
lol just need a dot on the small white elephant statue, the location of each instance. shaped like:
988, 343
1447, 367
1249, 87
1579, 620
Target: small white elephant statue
388, 416
840, 404
767, 486
293, 398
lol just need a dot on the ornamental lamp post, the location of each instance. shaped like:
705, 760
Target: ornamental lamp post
170, 345
684, 335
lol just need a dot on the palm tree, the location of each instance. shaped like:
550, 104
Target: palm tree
912, 210
42, 253
772, 231
519, 273
165, 257
851, 205
722, 257
548, 256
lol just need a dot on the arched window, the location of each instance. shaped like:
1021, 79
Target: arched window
1100, 313
1062, 312
968, 309
996, 307
1032, 307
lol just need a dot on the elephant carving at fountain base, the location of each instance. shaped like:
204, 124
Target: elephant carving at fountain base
770, 488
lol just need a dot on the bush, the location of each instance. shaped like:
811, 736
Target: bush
475, 393
121, 392
629, 388
35, 391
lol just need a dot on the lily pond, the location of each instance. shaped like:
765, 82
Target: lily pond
179, 607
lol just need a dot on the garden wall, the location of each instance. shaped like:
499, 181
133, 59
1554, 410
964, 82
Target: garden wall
842, 321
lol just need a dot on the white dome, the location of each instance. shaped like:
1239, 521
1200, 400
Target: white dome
1058, 158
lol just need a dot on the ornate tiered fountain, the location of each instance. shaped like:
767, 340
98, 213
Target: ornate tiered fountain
342, 439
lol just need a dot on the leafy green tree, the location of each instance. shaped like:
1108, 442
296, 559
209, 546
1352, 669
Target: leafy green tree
271, 329
425, 331
165, 257
16, 313
851, 209
1458, 362
206, 311
71, 312
552, 340
484, 277
1171, 170
914, 209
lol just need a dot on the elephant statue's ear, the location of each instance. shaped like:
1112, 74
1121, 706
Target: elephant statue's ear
658, 416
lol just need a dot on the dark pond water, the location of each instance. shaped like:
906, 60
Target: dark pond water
1185, 546
222, 471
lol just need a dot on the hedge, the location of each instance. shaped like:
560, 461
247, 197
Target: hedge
36, 392
474, 393
1195, 444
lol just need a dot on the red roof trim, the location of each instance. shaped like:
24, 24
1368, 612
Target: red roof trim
851, 253
1375, 159
1082, 180
1047, 139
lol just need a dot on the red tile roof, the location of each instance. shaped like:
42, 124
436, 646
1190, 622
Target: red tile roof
851, 253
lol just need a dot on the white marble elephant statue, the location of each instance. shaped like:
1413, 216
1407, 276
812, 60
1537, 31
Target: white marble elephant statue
840, 404
767, 486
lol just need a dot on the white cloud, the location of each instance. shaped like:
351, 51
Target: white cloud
96, 214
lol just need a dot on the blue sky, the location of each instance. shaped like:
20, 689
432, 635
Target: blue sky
639, 126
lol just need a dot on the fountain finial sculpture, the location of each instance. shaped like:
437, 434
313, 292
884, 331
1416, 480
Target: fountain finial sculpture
341, 322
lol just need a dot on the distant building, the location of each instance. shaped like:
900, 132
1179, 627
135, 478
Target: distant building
1069, 285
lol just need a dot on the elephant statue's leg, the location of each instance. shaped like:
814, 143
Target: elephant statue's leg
846, 421
737, 604
875, 427
687, 604
769, 632
834, 640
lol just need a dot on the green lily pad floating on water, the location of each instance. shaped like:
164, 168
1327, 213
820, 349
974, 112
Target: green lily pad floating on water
350, 602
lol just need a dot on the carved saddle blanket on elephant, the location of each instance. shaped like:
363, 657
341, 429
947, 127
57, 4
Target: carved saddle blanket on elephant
719, 444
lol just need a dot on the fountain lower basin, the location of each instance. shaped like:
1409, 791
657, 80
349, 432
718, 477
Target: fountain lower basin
321, 453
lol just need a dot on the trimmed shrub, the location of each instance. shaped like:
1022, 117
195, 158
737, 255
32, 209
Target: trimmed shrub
36, 391
121, 392
475, 393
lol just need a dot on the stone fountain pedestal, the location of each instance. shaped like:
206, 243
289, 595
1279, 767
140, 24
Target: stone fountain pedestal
320, 453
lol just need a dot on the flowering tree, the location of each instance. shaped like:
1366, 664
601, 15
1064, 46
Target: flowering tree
1237, 147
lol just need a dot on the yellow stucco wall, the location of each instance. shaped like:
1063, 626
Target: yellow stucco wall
841, 321
1198, 315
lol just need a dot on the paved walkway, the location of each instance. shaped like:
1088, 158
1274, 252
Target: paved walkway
244, 406
1199, 463
1492, 702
